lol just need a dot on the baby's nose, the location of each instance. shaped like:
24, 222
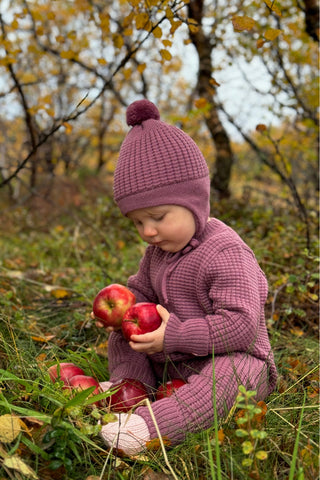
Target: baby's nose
149, 231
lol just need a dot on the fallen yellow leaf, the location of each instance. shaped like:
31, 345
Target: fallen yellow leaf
16, 463
10, 427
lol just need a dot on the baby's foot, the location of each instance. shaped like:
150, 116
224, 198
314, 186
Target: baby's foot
128, 433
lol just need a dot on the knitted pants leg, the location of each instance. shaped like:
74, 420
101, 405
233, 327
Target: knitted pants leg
190, 409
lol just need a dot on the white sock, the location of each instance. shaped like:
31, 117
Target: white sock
128, 433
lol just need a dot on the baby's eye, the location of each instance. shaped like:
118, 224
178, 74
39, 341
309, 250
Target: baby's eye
159, 218
137, 223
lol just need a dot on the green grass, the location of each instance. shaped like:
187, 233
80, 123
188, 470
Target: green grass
49, 275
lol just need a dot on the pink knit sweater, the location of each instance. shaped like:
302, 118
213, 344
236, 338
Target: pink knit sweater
215, 292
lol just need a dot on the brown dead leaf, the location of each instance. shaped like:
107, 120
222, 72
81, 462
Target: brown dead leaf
43, 339
200, 102
259, 417
260, 42
154, 443
214, 82
149, 474
221, 436
261, 127
102, 349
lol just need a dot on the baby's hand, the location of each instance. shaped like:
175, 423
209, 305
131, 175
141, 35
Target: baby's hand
151, 342
100, 324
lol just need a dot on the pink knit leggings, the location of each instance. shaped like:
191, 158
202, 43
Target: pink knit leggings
190, 409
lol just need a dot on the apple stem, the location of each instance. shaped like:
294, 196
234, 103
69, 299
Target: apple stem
163, 448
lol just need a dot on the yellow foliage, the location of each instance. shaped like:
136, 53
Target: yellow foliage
141, 68
193, 25
67, 54
175, 24
167, 43
117, 40
273, 7
272, 33
127, 73
68, 127
165, 54
243, 22
127, 32
169, 13
105, 22
28, 77
142, 21
15, 24
157, 32
128, 20
60, 38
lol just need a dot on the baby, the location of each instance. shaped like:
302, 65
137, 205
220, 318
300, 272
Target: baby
208, 286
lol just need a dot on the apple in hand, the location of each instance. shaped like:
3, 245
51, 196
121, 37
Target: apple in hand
141, 318
167, 389
64, 371
111, 303
129, 392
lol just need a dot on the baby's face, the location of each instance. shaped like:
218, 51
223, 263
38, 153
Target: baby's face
169, 227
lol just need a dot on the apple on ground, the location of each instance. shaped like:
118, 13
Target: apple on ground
64, 371
111, 303
167, 389
82, 382
128, 393
141, 318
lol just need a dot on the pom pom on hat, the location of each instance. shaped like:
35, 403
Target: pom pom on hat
141, 110
159, 164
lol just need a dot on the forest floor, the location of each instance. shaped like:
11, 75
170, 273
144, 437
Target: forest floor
57, 250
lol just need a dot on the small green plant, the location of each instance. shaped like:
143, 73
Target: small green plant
249, 428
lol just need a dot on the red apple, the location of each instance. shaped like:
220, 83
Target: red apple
64, 371
139, 319
81, 382
169, 388
111, 303
128, 394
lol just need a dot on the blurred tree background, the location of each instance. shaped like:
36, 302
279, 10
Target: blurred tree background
70, 68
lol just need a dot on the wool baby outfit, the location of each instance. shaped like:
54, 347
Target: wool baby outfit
213, 288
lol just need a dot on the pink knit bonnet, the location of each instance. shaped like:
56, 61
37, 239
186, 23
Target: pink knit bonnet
159, 164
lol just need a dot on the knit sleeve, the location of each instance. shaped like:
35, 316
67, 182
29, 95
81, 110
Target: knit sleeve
140, 283
235, 287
